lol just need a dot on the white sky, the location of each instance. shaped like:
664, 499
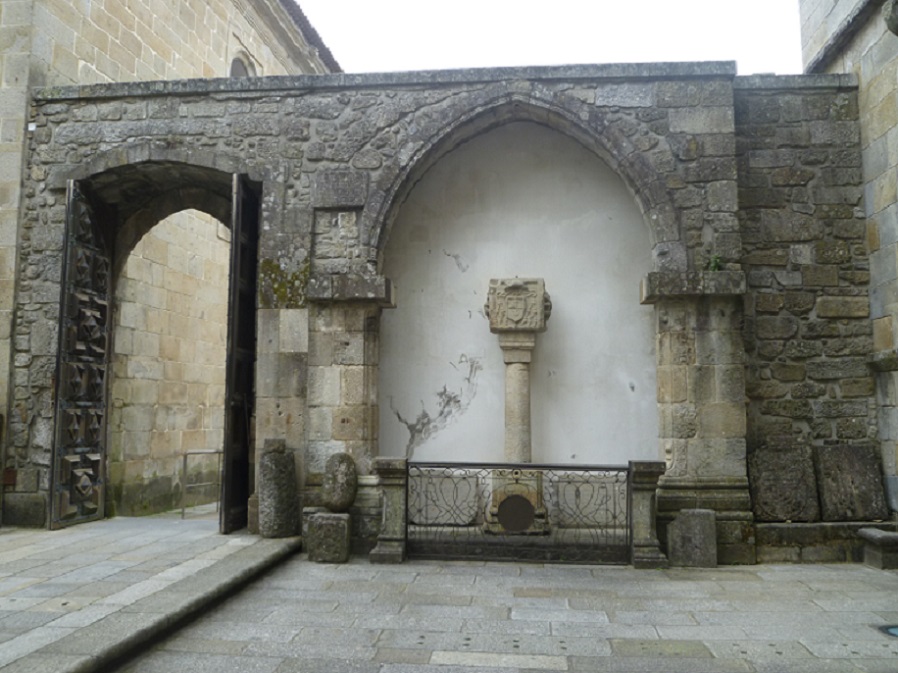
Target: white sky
391, 35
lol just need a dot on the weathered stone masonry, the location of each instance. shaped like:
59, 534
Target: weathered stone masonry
807, 327
337, 154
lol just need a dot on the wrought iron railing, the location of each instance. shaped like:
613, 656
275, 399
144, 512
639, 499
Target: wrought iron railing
552, 513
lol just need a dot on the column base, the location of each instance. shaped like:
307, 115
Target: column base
731, 502
388, 551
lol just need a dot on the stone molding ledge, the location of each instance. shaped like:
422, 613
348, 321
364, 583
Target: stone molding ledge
884, 361
660, 284
588, 72
351, 287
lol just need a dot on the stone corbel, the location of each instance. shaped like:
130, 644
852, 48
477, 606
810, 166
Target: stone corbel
351, 287
660, 284
884, 361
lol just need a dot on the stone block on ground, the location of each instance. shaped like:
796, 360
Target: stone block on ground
849, 479
329, 538
880, 548
692, 539
783, 485
277, 491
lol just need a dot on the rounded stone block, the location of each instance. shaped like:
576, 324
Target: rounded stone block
340, 482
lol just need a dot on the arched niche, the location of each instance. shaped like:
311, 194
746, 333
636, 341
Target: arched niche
519, 199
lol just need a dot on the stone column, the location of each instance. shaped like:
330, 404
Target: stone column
701, 404
517, 351
518, 308
703, 421
344, 319
392, 475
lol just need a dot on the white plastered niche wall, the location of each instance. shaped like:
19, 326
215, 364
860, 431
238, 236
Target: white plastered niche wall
520, 200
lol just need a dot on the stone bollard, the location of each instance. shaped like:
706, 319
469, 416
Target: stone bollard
276, 487
692, 539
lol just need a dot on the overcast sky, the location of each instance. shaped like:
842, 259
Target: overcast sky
762, 36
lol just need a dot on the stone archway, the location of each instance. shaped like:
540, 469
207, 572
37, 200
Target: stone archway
107, 214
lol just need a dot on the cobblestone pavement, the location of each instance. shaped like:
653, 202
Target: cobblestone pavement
72, 600
456, 617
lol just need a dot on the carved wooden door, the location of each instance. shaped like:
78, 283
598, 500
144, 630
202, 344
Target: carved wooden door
78, 481
239, 378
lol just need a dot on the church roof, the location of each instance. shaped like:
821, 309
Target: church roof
308, 30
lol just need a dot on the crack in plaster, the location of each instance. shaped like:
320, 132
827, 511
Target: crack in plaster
450, 405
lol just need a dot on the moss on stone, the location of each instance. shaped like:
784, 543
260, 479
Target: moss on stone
282, 289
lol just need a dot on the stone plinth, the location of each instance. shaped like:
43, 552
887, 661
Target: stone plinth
516, 503
692, 539
880, 548
329, 538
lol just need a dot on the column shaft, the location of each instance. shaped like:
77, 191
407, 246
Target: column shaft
517, 412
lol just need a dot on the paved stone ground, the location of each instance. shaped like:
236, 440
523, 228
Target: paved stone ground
454, 617
74, 599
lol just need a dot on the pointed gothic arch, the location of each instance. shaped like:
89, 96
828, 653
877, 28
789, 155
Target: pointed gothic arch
642, 172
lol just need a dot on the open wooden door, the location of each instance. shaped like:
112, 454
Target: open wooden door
78, 482
241, 354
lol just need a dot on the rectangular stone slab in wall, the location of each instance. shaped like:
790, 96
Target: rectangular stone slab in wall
850, 483
783, 485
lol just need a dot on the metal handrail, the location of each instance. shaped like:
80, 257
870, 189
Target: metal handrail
185, 485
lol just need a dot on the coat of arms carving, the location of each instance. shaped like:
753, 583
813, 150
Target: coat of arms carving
518, 305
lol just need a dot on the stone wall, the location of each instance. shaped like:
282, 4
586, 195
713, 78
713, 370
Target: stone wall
343, 153
824, 22
59, 42
870, 52
749, 188
168, 382
807, 330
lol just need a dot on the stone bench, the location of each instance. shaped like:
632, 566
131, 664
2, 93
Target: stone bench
880, 548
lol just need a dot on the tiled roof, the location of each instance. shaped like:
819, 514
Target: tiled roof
308, 30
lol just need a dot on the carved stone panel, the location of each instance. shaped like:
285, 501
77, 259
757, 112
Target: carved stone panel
518, 305
783, 485
850, 483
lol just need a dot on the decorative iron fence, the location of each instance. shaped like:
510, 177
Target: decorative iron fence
523, 512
